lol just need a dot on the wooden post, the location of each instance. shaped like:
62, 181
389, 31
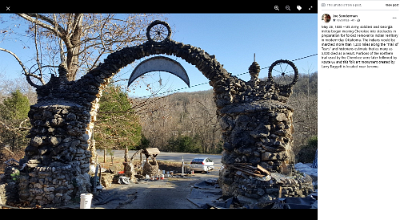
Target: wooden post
183, 166
95, 179
126, 155
104, 155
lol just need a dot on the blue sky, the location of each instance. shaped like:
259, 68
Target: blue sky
232, 38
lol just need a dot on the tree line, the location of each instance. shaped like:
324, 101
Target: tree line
187, 122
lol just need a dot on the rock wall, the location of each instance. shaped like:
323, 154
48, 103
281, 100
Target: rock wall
52, 185
57, 157
257, 129
258, 133
262, 191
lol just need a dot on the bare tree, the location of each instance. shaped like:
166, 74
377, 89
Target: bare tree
186, 114
305, 102
78, 40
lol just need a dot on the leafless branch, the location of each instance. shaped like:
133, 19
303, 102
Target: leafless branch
60, 32
26, 73
37, 53
20, 128
60, 44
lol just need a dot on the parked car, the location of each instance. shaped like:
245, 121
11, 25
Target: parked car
202, 164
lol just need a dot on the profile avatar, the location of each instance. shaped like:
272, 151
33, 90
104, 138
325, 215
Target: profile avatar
326, 18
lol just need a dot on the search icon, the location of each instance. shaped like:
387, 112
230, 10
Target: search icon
276, 7
287, 7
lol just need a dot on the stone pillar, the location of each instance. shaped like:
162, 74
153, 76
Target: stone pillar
257, 131
57, 157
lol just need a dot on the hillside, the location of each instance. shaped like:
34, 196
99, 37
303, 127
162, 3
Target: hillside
166, 120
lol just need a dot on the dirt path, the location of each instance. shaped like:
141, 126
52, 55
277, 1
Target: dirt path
168, 194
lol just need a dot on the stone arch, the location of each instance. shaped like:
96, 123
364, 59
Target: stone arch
64, 116
255, 119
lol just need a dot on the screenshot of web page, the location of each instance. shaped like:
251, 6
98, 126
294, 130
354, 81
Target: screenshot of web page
359, 67
350, 47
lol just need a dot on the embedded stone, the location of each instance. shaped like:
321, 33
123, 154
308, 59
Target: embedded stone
79, 152
64, 111
258, 135
71, 117
33, 161
49, 189
47, 114
37, 116
54, 141
75, 143
269, 156
85, 146
67, 139
280, 125
36, 141
57, 122
31, 149
43, 151
280, 132
74, 131
244, 150
84, 137
281, 117
260, 192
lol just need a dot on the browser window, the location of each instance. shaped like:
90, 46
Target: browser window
358, 65
346, 54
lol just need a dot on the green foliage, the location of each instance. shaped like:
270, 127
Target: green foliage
184, 144
110, 152
15, 107
144, 142
313, 142
15, 176
13, 111
307, 152
219, 148
117, 126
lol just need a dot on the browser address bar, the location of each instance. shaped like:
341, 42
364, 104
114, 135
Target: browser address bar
359, 6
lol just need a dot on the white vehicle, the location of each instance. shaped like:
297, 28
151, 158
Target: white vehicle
202, 164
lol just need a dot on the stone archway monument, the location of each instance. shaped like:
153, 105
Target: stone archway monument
256, 121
